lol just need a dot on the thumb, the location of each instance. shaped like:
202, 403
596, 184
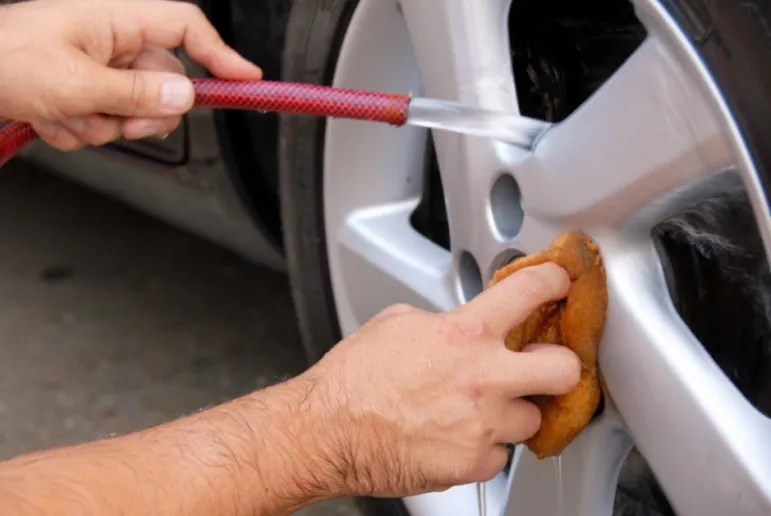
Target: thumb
142, 93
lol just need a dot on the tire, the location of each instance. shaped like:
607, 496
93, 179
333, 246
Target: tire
731, 37
315, 33
733, 40
318, 25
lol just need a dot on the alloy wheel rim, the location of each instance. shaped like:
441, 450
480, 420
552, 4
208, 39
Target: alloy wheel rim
661, 120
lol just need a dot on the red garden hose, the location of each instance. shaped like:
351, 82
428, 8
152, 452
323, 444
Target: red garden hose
283, 97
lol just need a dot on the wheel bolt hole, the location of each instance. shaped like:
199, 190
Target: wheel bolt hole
504, 258
506, 206
469, 276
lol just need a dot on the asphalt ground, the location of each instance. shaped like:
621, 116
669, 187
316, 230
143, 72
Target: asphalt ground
111, 321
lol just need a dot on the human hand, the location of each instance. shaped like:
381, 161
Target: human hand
92, 71
417, 402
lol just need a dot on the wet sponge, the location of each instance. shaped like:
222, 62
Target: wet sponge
577, 322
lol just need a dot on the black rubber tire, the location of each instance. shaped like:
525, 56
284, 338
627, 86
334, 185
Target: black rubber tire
732, 38
314, 36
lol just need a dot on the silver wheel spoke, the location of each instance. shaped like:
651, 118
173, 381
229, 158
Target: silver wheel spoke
684, 415
580, 482
465, 57
379, 247
459, 500
631, 150
469, 170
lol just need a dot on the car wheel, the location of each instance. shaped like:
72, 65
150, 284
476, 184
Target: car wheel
660, 142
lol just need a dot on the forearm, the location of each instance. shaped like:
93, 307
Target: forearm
257, 455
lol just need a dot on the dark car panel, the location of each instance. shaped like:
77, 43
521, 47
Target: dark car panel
183, 180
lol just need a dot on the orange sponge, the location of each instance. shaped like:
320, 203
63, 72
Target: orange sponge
577, 322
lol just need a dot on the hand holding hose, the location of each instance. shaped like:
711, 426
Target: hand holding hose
99, 70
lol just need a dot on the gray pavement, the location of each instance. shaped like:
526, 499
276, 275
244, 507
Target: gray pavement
111, 321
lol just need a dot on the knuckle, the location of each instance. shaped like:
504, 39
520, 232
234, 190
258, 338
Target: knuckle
193, 13
175, 64
567, 371
166, 129
529, 417
66, 143
136, 92
73, 146
475, 381
103, 131
481, 433
399, 308
491, 464
93, 133
193, 10
457, 328
395, 310
58, 137
498, 460
473, 385
103, 137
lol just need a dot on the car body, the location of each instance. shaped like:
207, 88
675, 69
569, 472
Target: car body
197, 178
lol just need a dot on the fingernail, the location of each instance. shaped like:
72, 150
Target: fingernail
177, 92
74, 124
146, 128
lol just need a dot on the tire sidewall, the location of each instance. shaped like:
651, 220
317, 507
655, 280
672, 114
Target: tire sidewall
310, 55
733, 40
315, 33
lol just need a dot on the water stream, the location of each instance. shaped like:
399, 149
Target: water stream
481, 488
557, 461
482, 498
460, 118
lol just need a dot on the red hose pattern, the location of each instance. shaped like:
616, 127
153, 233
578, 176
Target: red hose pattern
13, 137
282, 97
306, 99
